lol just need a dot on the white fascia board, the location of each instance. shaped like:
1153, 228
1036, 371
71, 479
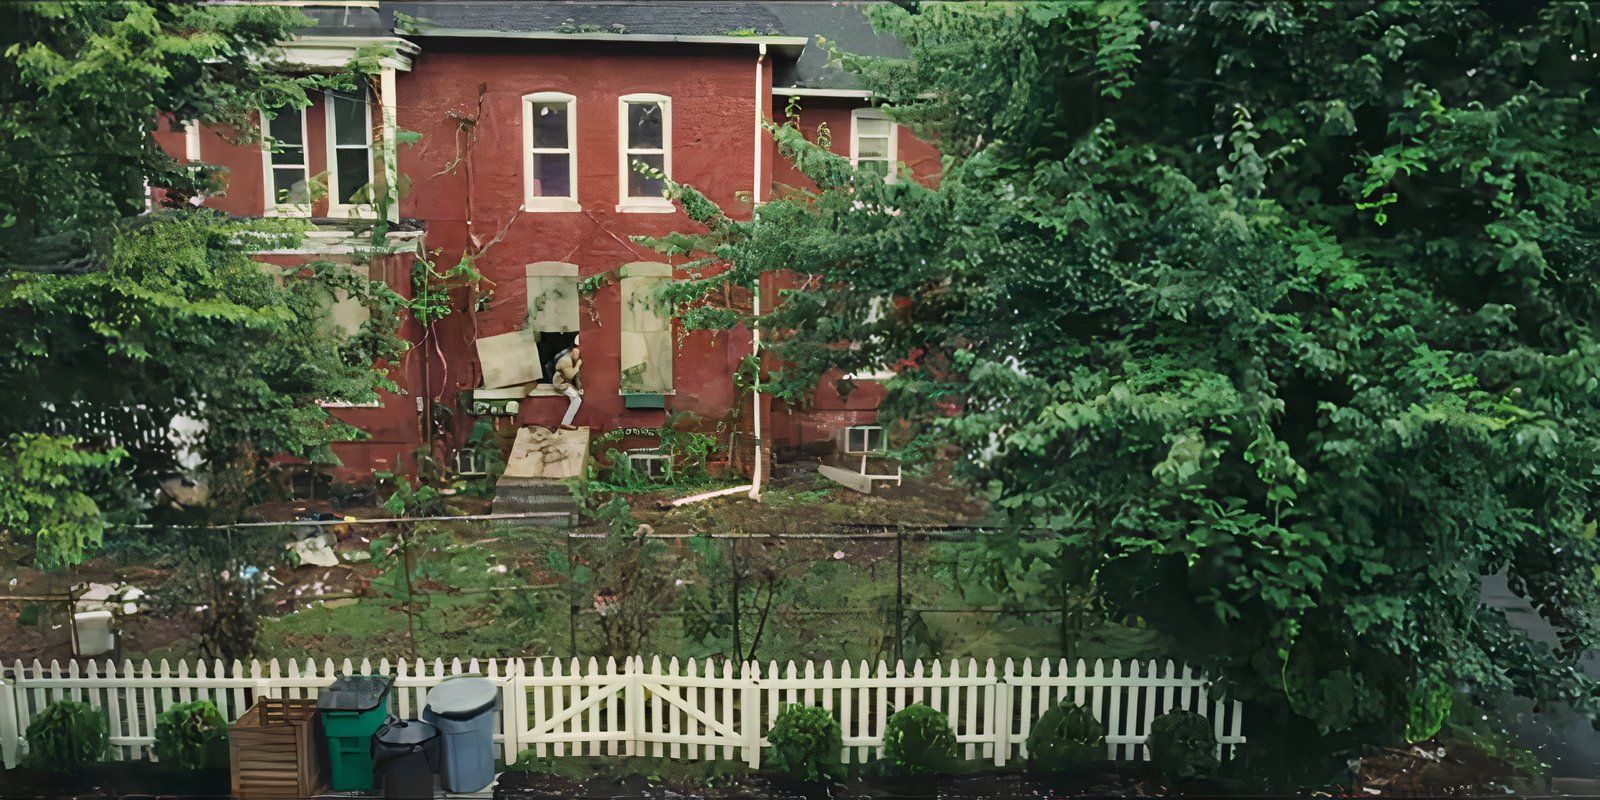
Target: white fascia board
777, 42
335, 52
801, 91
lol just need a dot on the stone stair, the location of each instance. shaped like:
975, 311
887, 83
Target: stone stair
535, 495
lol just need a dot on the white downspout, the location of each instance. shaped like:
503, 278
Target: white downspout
755, 328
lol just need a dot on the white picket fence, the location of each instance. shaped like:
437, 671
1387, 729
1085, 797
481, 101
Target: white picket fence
697, 710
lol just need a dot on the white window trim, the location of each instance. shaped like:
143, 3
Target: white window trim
530, 202
336, 208
891, 175
271, 207
642, 205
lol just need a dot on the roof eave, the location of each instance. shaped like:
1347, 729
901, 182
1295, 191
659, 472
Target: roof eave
787, 45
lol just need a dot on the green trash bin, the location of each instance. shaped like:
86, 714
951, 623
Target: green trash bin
353, 709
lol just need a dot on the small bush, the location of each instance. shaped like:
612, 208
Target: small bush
806, 743
918, 739
66, 737
1182, 745
1065, 737
192, 736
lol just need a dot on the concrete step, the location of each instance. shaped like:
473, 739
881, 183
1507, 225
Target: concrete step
535, 495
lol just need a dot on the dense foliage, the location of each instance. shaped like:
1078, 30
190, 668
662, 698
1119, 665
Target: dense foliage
1282, 315
192, 736
806, 743
117, 319
918, 739
66, 736
1065, 736
1182, 745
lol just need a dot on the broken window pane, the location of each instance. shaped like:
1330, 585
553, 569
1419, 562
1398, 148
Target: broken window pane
644, 125
550, 125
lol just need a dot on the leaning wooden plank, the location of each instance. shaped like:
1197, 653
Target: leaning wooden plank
849, 479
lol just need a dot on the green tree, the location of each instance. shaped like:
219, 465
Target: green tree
1282, 315
115, 319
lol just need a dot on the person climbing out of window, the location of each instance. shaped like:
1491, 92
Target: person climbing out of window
567, 378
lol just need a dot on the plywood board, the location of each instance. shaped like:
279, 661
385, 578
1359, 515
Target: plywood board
554, 453
509, 359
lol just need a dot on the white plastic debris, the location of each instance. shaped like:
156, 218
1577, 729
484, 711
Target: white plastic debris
111, 597
315, 550
94, 633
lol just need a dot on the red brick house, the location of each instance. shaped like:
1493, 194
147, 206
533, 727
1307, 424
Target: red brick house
529, 115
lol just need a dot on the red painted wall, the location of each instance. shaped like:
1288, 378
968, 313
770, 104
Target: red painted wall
816, 425
713, 117
393, 426
464, 182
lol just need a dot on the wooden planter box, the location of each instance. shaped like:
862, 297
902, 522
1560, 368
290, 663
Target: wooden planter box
276, 750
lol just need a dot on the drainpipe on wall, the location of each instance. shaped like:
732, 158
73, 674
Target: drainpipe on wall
755, 328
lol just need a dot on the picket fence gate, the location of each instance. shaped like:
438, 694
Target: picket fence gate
695, 710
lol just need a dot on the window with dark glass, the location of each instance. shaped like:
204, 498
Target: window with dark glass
350, 176
287, 174
551, 160
645, 126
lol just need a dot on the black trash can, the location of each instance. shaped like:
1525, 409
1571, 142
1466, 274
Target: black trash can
405, 758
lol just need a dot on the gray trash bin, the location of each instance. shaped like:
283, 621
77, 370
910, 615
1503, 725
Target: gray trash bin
462, 708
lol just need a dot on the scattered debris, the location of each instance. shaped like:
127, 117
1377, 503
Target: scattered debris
315, 550
111, 598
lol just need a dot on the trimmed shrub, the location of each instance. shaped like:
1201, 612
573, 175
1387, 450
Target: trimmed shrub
805, 743
1066, 736
66, 737
1182, 745
917, 740
191, 736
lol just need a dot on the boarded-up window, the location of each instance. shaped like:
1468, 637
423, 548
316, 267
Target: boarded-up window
343, 315
552, 311
646, 330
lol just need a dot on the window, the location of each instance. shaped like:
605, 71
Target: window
349, 152
872, 143
646, 330
552, 311
343, 316
283, 159
645, 136
549, 152
863, 439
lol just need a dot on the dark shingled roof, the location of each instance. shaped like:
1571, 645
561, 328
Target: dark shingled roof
841, 23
